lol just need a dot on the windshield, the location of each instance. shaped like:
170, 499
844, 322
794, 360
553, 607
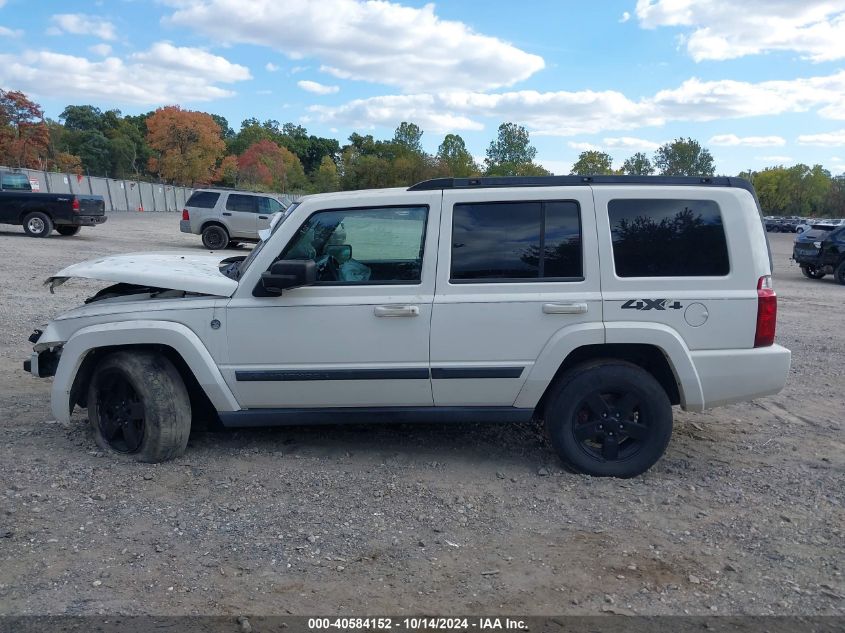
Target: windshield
265, 235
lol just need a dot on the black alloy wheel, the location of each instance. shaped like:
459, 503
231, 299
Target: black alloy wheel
611, 426
121, 416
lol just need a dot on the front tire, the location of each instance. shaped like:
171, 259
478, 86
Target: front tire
138, 406
68, 230
839, 273
811, 272
37, 224
215, 237
609, 419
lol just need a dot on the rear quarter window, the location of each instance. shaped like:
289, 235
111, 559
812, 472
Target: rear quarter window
16, 182
668, 238
203, 199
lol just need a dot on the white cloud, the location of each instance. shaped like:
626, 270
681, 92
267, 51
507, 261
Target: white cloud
191, 60
376, 41
732, 140
628, 142
103, 50
779, 160
81, 24
425, 110
625, 17
583, 147
565, 113
271, 67
164, 74
721, 29
828, 139
7, 32
317, 88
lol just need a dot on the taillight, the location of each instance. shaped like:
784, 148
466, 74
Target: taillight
767, 312
185, 214
75, 205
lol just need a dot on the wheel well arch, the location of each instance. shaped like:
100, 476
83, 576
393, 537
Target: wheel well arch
209, 223
27, 211
649, 357
202, 410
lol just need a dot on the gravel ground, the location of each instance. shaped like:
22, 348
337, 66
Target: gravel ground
744, 514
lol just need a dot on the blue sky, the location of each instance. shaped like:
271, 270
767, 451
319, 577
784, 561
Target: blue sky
759, 83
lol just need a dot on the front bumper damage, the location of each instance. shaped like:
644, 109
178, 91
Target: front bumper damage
43, 362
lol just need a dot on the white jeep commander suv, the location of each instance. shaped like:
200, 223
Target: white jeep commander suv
594, 303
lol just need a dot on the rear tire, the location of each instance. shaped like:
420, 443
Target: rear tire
68, 230
609, 419
811, 272
37, 224
138, 406
215, 237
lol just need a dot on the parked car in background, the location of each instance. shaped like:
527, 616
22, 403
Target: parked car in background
804, 225
227, 217
41, 213
821, 251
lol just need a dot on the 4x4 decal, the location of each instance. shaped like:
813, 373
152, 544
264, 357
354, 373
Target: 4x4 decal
652, 304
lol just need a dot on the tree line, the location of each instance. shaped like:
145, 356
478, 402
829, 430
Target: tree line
191, 148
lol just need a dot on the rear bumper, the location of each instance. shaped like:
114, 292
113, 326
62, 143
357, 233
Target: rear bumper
728, 376
813, 258
185, 226
81, 220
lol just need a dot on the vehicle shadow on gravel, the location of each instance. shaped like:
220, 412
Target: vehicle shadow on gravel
514, 443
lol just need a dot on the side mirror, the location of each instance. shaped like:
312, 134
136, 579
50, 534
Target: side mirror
289, 273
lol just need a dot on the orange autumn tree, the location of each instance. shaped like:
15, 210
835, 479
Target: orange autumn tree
186, 145
266, 164
24, 136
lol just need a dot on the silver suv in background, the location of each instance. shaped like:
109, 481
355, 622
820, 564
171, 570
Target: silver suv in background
228, 217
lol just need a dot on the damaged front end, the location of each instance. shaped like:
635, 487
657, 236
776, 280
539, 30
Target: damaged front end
45, 357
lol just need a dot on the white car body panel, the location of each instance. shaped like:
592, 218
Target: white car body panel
332, 328
139, 332
730, 301
503, 324
189, 271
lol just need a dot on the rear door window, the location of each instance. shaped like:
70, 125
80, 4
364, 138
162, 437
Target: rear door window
203, 199
241, 203
668, 238
516, 241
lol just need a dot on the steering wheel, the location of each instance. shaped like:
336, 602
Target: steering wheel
330, 268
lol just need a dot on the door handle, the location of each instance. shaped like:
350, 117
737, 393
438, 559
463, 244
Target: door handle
262, 217
396, 311
224, 213
564, 308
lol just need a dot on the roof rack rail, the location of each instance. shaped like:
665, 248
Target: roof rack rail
572, 181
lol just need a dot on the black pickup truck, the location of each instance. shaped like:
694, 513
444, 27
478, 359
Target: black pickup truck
40, 213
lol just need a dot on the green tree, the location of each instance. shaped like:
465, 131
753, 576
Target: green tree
638, 165
684, 157
326, 177
592, 163
511, 152
82, 118
409, 136
453, 158
226, 132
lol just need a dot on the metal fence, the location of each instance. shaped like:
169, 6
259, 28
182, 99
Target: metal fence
120, 195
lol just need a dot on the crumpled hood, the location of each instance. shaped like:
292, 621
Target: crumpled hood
174, 270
